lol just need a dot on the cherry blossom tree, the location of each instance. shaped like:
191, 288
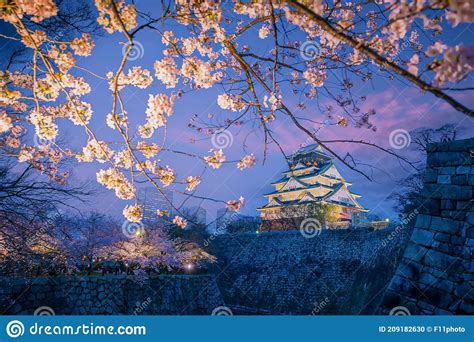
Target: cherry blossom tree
154, 251
29, 204
320, 50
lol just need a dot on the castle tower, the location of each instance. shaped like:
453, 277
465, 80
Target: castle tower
312, 179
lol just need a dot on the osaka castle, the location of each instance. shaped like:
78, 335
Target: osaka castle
312, 180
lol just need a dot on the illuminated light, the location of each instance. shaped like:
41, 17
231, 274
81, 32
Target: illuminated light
189, 266
387, 220
257, 232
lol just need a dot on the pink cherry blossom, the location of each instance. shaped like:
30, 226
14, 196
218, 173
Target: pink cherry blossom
236, 205
192, 182
216, 159
246, 162
133, 213
180, 222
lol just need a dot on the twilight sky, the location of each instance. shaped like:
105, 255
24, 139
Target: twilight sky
398, 107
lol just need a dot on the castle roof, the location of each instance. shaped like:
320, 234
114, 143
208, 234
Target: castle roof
306, 187
309, 198
316, 171
316, 148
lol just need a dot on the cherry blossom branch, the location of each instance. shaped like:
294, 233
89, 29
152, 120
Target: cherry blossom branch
377, 58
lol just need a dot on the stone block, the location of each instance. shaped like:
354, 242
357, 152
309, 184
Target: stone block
445, 213
470, 218
396, 284
423, 221
461, 145
432, 206
409, 270
438, 297
439, 311
463, 170
444, 285
445, 248
464, 205
458, 240
424, 305
446, 191
458, 215
459, 180
448, 159
427, 279
466, 308
448, 204
414, 252
439, 260
431, 175
432, 191
471, 180
448, 170
422, 237
444, 179
456, 145
443, 237
445, 225
463, 289
469, 267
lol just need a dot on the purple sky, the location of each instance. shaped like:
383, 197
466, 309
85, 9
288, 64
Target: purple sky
398, 107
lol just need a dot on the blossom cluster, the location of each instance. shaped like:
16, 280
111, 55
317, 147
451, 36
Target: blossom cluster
212, 53
246, 162
216, 159
236, 205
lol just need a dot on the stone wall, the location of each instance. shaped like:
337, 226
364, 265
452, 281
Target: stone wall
352, 271
336, 272
110, 295
436, 275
